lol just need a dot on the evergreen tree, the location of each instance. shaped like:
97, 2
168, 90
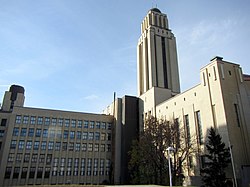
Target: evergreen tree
213, 173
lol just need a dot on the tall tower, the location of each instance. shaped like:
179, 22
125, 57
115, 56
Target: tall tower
157, 55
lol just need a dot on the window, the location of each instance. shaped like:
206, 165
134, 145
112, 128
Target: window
60, 122
103, 125
52, 133
42, 158
26, 158
89, 166
40, 120
69, 167
66, 122
176, 137
25, 119
186, 118
91, 124
39, 173
19, 157
24, 172
103, 136
102, 147
38, 132
32, 120
65, 134
64, 146
190, 162
97, 136
32, 172
11, 157
62, 167
97, 125
13, 144
23, 132
86, 124
76, 165
78, 135
109, 126
16, 172
102, 167
59, 134
4, 122
47, 172
109, 137
43, 145
15, 131
84, 135
95, 166
53, 121
73, 123
58, 146
199, 126
28, 145
1, 133
7, 173
91, 135
36, 145
34, 158
108, 164
82, 169
47, 121
50, 145
55, 165
21, 144
71, 146
72, 135
45, 133
77, 147
109, 147
79, 123
202, 161
18, 119
236, 109
31, 132
48, 159
96, 147
84, 147
90, 147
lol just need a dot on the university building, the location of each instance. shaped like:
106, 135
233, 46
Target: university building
43, 146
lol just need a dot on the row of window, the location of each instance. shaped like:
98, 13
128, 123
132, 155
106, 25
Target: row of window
33, 120
62, 167
59, 146
59, 134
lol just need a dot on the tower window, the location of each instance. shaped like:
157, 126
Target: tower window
199, 126
236, 108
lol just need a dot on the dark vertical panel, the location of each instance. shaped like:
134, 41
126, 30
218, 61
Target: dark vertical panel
164, 61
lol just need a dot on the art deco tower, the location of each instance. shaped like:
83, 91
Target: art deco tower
156, 55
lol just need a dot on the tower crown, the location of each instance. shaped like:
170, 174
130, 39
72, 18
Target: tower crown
155, 10
154, 18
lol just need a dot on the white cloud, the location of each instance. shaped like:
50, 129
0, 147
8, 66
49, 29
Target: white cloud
91, 97
207, 33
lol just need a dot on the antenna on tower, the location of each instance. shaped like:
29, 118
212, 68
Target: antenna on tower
154, 4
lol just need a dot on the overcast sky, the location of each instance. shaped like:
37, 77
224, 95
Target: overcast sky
74, 54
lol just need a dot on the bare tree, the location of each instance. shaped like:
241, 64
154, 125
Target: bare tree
148, 163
